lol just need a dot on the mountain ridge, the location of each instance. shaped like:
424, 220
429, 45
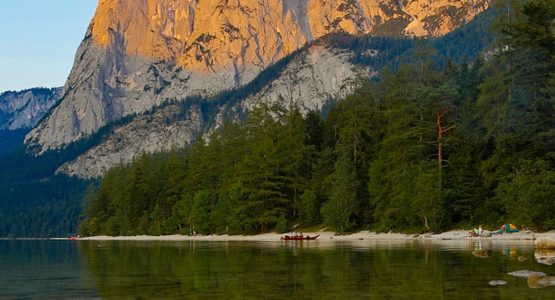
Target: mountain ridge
23, 109
135, 57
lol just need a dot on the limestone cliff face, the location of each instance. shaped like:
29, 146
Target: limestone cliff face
138, 54
207, 36
150, 133
310, 79
23, 109
315, 77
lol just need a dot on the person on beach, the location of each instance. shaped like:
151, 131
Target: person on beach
476, 232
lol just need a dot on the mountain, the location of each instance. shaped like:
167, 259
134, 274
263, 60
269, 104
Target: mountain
37, 203
431, 144
20, 111
138, 56
23, 109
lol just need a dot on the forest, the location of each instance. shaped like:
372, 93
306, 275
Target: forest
36, 202
11, 140
426, 147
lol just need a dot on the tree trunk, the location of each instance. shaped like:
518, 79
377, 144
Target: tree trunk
441, 131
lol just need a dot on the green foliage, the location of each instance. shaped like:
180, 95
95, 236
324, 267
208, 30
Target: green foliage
282, 226
249, 178
426, 198
339, 211
308, 212
528, 194
11, 140
470, 40
199, 217
36, 202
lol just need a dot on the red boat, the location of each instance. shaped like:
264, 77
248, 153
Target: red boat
298, 237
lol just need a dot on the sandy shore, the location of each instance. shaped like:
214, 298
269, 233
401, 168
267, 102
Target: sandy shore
331, 236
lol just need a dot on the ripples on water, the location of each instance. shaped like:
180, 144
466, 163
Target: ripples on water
269, 270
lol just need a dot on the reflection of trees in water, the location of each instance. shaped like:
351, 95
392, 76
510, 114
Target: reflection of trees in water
201, 270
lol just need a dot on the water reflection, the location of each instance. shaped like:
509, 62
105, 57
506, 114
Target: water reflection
42, 270
309, 270
272, 270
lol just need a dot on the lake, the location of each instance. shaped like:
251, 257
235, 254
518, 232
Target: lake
266, 270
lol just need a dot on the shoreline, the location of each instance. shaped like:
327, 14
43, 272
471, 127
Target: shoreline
454, 235
326, 236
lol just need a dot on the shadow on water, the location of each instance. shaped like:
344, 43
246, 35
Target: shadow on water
311, 270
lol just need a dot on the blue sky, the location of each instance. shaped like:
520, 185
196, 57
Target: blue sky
38, 40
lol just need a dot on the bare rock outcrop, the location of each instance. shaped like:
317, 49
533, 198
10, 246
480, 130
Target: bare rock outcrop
148, 133
139, 54
23, 109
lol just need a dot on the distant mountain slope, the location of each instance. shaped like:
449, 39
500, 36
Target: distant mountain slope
23, 109
20, 111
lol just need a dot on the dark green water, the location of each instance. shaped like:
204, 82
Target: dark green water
281, 270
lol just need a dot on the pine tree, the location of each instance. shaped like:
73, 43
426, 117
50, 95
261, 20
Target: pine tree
339, 211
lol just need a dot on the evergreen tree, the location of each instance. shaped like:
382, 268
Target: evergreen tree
340, 209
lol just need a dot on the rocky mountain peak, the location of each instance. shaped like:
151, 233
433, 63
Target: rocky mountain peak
208, 36
138, 54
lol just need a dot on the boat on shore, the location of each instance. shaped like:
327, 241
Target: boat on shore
298, 237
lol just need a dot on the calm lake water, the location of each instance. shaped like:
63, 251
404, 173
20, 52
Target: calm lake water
280, 270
